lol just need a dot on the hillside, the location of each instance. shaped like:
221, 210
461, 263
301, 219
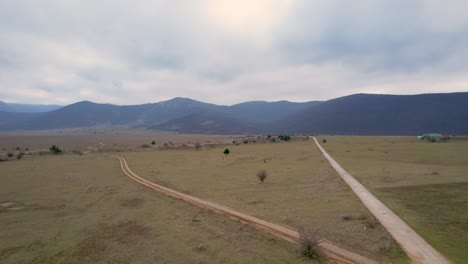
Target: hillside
27, 108
369, 114
178, 114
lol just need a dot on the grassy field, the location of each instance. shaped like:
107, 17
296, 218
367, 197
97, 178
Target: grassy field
424, 183
301, 189
81, 209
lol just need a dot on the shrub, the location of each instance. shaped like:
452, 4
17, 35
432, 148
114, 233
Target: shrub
226, 152
262, 175
153, 143
308, 245
246, 141
346, 217
197, 146
369, 220
19, 156
145, 146
324, 140
55, 150
10, 154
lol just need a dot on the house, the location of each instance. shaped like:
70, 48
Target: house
430, 135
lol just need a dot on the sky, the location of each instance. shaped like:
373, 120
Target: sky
226, 52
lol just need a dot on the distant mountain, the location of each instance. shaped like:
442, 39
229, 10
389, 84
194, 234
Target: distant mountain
209, 123
27, 108
178, 114
359, 114
267, 112
371, 114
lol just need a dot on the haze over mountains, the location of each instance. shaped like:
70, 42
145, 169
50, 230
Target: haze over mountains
359, 114
27, 108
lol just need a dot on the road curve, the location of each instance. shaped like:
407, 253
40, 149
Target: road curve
333, 251
417, 249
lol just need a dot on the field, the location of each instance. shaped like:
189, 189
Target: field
81, 209
426, 184
78, 207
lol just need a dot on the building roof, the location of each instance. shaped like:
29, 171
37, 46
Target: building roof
431, 135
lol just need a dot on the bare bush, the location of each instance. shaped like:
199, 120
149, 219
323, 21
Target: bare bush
369, 220
309, 245
145, 146
346, 217
197, 146
262, 175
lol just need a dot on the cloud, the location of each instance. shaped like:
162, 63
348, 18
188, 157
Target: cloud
225, 52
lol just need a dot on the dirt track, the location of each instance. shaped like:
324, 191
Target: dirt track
414, 245
333, 251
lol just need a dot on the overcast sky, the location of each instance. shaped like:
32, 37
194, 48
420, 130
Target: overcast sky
225, 52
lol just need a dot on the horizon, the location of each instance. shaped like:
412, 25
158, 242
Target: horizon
236, 103
229, 51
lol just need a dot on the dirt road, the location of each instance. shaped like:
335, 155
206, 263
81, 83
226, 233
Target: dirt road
333, 251
414, 245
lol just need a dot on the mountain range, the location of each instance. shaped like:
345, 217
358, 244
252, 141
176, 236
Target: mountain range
358, 114
27, 108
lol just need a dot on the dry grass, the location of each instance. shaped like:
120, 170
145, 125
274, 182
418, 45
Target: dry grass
424, 183
301, 190
81, 209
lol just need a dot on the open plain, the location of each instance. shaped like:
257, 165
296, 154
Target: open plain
78, 206
425, 183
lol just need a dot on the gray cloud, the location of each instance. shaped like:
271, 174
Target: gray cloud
225, 52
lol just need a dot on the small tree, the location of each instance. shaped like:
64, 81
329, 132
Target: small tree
262, 175
55, 150
226, 152
197, 146
153, 143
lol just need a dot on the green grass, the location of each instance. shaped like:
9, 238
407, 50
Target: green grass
424, 183
443, 221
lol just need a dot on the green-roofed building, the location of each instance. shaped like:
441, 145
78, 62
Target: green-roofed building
430, 135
